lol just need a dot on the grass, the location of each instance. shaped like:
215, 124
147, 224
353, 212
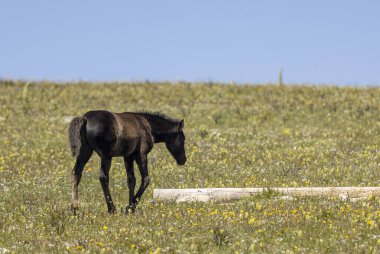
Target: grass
237, 136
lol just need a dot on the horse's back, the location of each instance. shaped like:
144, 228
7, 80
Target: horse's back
114, 134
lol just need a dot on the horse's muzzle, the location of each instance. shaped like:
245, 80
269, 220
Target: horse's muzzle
181, 161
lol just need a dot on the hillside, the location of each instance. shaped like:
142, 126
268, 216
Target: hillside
236, 136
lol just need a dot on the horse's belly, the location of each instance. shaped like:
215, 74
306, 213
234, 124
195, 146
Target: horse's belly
124, 147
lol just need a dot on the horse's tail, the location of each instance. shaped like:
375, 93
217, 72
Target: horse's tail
76, 132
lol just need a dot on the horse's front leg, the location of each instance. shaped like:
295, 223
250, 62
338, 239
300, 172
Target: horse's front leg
142, 162
104, 181
131, 178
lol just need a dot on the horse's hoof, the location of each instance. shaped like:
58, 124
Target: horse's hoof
74, 209
130, 209
112, 210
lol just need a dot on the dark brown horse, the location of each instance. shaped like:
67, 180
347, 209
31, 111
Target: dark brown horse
130, 135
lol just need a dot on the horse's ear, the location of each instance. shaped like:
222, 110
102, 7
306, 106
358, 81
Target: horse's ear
181, 124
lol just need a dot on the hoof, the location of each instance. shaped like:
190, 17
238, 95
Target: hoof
130, 209
74, 209
112, 210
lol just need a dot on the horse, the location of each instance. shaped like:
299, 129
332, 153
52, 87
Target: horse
128, 134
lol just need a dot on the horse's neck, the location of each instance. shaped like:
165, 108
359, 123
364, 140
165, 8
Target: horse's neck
160, 128
159, 138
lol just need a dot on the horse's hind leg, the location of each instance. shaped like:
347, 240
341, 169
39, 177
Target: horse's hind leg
104, 181
76, 175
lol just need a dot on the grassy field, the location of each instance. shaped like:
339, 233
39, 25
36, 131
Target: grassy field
236, 136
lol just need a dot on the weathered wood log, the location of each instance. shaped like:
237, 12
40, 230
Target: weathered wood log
230, 194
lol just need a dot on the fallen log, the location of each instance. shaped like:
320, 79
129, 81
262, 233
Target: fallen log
231, 194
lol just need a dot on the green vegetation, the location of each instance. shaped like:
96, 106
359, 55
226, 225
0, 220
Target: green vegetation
237, 136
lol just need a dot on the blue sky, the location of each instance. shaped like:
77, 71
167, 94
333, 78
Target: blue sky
324, 41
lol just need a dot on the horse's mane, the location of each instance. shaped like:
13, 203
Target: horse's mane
157, 115
160, 122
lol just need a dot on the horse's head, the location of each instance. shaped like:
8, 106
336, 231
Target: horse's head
175, 143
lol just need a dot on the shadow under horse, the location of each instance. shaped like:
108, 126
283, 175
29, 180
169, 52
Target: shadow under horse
130, 135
